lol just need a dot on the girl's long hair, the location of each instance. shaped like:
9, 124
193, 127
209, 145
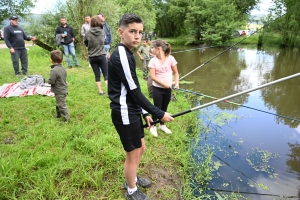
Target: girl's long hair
166, 47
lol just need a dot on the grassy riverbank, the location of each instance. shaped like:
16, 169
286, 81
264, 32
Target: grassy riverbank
266, 40
44, 159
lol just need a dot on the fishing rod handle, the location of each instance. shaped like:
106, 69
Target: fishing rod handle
175, 115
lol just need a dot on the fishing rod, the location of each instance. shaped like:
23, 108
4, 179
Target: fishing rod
228, 97
255, 193
199, 94
195, 49
252, 33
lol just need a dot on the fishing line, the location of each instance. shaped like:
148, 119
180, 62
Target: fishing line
237, 192
228, 97
252, 33
197, 49
199, 94
235, 168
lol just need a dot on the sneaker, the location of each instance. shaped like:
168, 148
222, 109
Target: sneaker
24, 73
165, 129
153, 131
143, 182
64, 120
70, 67
137, 195
78, 66
101, 94
18, 74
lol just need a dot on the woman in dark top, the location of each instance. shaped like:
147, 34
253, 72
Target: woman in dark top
94, 40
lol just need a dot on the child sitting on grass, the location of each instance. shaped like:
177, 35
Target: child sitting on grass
59, 85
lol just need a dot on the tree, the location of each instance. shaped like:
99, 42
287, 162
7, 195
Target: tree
288, 26
144, 9
74, 10
216, 20
165, 26
20, 8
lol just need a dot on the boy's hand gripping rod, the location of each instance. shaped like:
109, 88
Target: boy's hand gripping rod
228, 97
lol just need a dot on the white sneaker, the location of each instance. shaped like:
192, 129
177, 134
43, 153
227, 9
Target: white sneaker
165, 129
153, 131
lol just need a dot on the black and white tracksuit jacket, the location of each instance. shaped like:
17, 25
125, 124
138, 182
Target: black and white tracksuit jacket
127, 100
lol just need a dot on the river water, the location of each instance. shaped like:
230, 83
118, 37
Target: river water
255, 152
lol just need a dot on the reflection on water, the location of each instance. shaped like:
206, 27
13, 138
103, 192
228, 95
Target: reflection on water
260, 153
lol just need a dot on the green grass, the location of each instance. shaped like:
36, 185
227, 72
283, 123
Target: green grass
44, 159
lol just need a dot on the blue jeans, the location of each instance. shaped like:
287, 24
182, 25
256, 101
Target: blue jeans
69, 48
107, 47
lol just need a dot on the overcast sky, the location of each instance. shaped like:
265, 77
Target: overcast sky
264, 6
43, 5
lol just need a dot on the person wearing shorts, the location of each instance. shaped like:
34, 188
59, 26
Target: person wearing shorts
128, 104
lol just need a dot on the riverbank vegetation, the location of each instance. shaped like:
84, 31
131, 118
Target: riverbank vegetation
205, 22
42, 158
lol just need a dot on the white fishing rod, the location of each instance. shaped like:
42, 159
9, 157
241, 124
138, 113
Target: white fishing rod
228, 97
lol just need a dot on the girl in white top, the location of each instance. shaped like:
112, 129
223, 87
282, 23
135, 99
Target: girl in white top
162, 67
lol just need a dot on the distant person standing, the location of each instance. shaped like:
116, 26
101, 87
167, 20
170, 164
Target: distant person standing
155, 36
108, 35
94, 41
67, 43
144, 54
14, 37
150, 35
86, 26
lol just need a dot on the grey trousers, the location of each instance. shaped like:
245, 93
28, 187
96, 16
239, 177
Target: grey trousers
22, 55
61, 106
145, 68
150, 88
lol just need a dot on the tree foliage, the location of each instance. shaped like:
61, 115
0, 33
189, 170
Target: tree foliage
142, 8
215, 20
15, 7
286, 19
165, 26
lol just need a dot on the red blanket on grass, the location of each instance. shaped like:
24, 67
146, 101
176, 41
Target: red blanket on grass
14, 90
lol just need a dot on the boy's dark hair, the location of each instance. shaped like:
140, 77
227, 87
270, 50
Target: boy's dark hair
102, 15
87, 15
166, 47
146, 40
96, 21
56, 56
62, 17
129, 19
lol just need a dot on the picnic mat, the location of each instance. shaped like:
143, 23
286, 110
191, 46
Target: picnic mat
30, 85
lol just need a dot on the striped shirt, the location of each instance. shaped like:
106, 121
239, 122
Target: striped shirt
127, 100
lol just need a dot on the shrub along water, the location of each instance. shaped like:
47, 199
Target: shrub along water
83, 159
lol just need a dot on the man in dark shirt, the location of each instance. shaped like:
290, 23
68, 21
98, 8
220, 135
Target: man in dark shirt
108, 34
14, 37
67, 43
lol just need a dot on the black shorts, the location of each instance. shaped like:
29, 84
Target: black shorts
131, 135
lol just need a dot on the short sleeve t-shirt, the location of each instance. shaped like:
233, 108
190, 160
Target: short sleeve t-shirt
163, 71
145, 51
